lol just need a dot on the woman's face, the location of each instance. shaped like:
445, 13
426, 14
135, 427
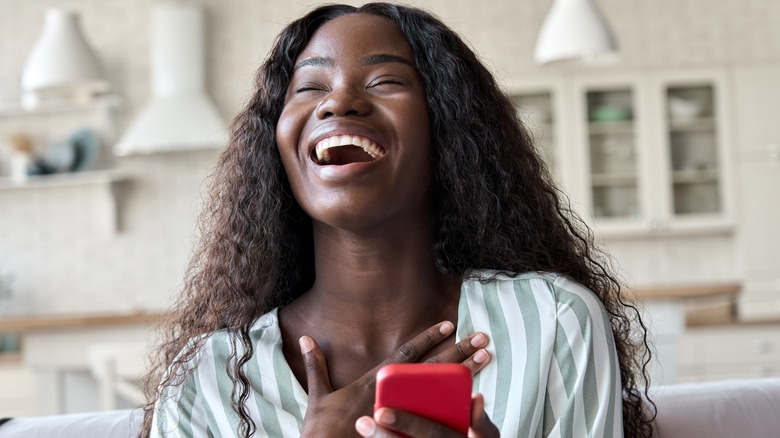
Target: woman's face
354, 134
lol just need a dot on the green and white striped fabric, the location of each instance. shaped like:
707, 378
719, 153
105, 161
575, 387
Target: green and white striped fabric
554, 370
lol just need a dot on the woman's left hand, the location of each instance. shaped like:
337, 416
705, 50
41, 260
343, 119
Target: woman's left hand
388, 423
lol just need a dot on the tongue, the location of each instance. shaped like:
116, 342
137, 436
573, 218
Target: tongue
348, 154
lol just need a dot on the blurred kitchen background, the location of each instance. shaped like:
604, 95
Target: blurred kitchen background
670, 151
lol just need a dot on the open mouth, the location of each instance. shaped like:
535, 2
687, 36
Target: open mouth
345, 149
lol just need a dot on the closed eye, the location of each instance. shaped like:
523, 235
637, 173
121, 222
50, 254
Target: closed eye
309, 87
386, 82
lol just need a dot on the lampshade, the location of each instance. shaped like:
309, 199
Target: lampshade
574, 30
62, 63
180, 115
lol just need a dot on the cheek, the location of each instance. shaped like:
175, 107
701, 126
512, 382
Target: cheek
288, 132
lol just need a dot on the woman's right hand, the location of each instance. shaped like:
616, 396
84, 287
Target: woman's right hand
333, 413
389, 423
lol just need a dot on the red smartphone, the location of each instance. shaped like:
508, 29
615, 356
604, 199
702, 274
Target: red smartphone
440, 392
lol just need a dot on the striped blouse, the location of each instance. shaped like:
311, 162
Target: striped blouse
553, 373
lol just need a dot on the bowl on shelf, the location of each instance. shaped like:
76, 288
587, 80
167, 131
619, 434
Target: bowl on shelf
609, 113
684, 109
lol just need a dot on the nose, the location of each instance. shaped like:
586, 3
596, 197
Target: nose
343, 102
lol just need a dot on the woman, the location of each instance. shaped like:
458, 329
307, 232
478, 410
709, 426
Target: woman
380, 202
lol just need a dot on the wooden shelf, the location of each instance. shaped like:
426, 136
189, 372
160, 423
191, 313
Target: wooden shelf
683, 291
18, 324
63, 180
104, 102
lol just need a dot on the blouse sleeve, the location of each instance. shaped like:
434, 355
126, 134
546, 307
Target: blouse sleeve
179, 411
583, 395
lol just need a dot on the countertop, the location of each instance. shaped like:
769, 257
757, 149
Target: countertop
683, 291
26, 323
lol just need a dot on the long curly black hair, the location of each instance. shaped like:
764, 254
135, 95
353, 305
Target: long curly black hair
495, 207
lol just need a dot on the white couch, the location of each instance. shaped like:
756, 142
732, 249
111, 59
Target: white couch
723, 409
726, 409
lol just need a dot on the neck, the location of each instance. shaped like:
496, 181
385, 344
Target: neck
380, 288
372, 292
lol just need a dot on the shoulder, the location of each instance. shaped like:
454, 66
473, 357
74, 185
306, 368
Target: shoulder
203, 354
541, 287
221, 344
549, 298
201, 381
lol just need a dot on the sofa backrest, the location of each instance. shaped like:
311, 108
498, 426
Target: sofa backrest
722, 409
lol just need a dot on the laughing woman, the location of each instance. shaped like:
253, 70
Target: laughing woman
380, 202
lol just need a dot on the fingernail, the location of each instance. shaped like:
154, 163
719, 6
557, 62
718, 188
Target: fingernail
385, 416
446, 328
365, 426
306, 344
481, 356
479, 340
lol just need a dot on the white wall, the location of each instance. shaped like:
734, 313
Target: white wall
59, 264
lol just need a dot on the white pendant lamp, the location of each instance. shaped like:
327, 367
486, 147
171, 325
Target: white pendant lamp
575, 30
62, 65
180, 115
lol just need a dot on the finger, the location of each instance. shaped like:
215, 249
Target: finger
411, 350
411, 424
465, 351
481, 426
367, 427
317, 379
420, 344
477, 361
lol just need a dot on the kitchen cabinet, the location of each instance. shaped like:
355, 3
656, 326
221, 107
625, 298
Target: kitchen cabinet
666, 313
16, 398
757, 155
732, 351
652, 152
611, 141
58, 351
639, 154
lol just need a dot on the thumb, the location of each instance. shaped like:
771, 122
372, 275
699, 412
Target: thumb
317, 379
481, 426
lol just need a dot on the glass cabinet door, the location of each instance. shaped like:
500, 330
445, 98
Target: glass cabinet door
693, 150
612, 148
537, 112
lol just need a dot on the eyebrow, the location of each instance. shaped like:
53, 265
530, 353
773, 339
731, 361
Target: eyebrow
380, 58
314, 62
384, 58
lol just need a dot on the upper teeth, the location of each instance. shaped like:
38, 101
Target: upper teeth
323, 147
